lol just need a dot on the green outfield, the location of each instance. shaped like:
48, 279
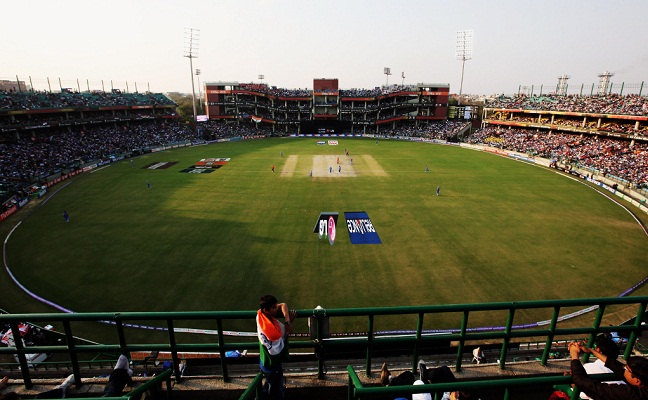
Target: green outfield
501, 230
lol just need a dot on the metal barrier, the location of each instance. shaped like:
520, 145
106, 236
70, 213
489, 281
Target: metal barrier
413, 341
358, 391
136, 393
254, 390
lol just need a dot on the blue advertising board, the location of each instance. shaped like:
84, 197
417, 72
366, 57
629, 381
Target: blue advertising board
361, 229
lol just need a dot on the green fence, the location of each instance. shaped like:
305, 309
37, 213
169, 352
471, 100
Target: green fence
574, 318
359, 391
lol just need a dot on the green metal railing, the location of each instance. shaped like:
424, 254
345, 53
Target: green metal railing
138, 391
415, 341
356, 390
254, 390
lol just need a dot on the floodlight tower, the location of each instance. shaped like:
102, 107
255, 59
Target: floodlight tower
464, 53
387, 72
261, 78
191, 52
604, 82
199, 89
403, 76
562, 85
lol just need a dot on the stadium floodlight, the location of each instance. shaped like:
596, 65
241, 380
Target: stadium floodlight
387, 71
199, 89
261, 78
403, 76
604, 82
191, 52
561, 90
464, 53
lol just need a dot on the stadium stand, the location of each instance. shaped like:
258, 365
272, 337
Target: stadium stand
612, 156
43, 134
597, 104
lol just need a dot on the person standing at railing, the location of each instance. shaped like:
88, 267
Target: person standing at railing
634, 373
273, 343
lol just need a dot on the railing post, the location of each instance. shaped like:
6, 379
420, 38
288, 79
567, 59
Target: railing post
417, 345
462, 340
74, 358
221, 349
633, 335
369, 345
22, 360
550, 336
507, 337
120, 332
174, 352
596, 325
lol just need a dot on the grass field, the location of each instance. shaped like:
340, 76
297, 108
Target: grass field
501, 230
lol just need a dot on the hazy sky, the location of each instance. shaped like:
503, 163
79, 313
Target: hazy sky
293, 41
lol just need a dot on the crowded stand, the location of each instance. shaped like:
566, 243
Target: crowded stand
218, 129
43, 134
40, 100
359, 93
39, 156
274, 91
440, 130
348, 93
597, 104
608, 156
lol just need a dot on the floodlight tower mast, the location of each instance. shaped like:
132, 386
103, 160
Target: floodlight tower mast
387, 72
562, 85
200, 99
604, 82
191, 52
464, 53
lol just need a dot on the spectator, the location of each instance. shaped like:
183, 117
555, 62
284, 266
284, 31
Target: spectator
273, 343
634, 372
426, 376
119, 378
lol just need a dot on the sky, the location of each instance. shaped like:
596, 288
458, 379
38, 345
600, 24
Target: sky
143, 44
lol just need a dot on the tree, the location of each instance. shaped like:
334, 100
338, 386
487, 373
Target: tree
185, 107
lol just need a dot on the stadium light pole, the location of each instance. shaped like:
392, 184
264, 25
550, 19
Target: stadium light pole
562, 85
387, 72
604, 82
199, 89
464, 53
261, 78
191, 52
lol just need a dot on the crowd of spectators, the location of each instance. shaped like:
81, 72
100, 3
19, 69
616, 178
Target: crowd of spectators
361, 92
42, 100
631, 104
45, 154
218, 129
607, 155
274, 91
281, 92
440, 130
